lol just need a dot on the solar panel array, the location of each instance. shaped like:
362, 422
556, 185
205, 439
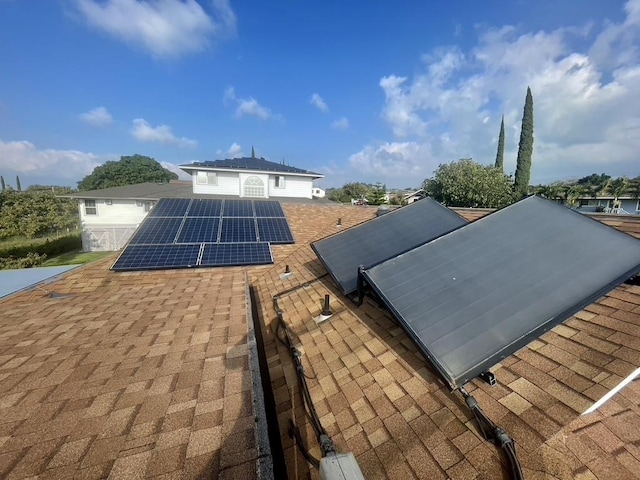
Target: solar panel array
478, 294
182, 232
383, 237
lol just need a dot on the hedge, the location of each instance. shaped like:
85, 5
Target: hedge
49, 248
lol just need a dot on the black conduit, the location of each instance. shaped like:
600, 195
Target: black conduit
494, 434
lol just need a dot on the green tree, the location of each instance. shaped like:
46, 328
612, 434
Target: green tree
18, 186
594, 184
500, 154
253, 153
466, 183
338, 195
356, 190
617, 188
127, 171
377, 194
33, 214
4, 186
525, 149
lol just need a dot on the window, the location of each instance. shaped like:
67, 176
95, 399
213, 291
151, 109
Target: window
279, 181
207, 178
253, 187
108, 202
90, 207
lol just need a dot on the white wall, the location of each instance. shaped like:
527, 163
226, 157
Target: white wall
295, 186
228, 184
112, 226
120, 212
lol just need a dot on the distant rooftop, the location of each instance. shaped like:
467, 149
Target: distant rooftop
250, 163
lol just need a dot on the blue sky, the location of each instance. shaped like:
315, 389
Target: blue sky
359, 91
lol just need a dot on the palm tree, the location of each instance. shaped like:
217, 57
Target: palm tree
617, 188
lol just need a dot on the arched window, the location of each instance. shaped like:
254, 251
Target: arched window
253, 187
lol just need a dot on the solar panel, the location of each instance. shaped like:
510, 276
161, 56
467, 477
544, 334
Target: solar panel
382, 238
478, 294
197, 230
236, 230
145, 257
170, 207
274, 230
238, 208
157, 230
205, 208
228, 254
268, 208
178, 227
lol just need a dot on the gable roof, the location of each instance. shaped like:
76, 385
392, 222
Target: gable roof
249, 164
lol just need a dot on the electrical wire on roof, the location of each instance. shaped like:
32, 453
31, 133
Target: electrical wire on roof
324, 441
495, 434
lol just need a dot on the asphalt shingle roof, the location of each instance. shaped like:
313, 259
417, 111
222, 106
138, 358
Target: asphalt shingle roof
250, 163
149, 374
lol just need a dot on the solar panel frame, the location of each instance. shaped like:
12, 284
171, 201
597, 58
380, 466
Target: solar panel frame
383, 237
268, 208
170, 207
436, 283
154, 257
157, 230
199, 230
236, 254
238, 230
274, 230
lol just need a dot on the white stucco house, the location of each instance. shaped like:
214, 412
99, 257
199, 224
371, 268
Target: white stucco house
250, 177
110, 216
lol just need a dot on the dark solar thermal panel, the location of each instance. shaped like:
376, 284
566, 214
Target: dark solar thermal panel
383, 237
478, 294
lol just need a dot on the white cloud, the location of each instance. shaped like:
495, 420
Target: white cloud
248, 106
165, 28
317, 101
585, 101
98, 117
163, 134
182, 175
392, 160
234, 151
47, 166
340, 124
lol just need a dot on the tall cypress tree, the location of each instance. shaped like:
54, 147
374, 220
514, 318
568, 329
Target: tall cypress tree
4, 186
500, 154
525, 149
18, 186
253, 152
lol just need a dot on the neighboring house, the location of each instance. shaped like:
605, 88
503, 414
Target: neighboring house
317, 192
110, 216
413, 196
251, 177
606, 203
